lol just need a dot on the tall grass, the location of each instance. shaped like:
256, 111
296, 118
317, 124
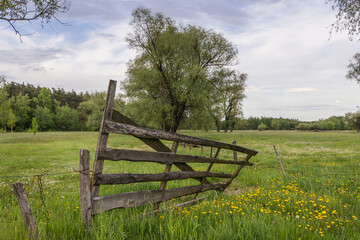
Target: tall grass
319, 199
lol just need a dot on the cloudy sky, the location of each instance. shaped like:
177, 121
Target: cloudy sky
295, 68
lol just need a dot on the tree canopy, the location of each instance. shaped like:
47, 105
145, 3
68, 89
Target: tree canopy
13, 11
347, 17
353, 119
176, 70
354, 68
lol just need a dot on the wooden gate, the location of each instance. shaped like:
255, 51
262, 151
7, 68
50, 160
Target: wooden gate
114, 122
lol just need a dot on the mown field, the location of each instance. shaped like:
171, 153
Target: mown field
318, 199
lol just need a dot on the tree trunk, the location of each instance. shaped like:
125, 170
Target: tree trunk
232, 126
174, 128
22, 123
217, 123
166, 127
179, 111
226, 125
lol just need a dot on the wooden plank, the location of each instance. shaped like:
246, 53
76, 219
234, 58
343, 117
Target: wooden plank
113, 127
235, 153
180, 205
236, 173
160, 157
125, 178
134, 199
167, 169
85, 191
155, 144
169, 166
278, 158
103, 137
208, 170
190, 202
211, 164
19, 191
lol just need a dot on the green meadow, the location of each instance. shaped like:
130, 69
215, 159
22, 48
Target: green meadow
318, 199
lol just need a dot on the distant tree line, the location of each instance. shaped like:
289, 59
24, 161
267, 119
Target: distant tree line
347, 122
24, 107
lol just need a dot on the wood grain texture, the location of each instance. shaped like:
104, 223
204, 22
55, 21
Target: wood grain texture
85, 191
134, 199
103, 137
19, 191
161, 157
125, 178
155, 144
120, 128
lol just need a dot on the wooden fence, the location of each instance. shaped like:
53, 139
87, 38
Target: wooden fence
115, 122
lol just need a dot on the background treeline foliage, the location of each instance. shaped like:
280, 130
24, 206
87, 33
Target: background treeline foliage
24, 107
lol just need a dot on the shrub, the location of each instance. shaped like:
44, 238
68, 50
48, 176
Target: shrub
262, 126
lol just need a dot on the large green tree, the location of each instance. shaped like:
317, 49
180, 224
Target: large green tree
45, 118
90, 111
4, 104
20, 105
353, 120
232, 87
11, 119
44, 99
66, 118
173, 71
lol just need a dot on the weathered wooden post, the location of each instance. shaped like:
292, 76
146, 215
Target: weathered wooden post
278, 158
85, 190
19, 191
235, 153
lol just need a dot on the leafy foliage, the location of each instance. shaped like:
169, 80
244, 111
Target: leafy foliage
34, 126
175, 71
44, 118
13, 11
262, 127
4, 106
347, 17
354, 120
66, 119
58, 110
354, 68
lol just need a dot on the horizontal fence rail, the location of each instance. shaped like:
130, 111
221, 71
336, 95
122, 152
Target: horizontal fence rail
161, 157
124, 178
136, 199
120, 128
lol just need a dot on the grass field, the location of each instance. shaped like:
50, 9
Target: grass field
319, 199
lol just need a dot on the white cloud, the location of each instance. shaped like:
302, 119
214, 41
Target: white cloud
284, 47
254, 89
300, 90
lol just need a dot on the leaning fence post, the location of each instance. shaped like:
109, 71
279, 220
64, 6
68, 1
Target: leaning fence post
278, 158
235, 153
25, 209
85, 191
